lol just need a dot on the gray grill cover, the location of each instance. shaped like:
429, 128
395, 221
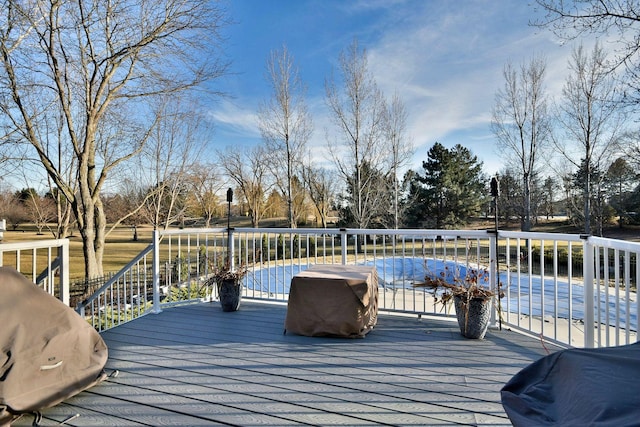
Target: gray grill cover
47, 352
577, 387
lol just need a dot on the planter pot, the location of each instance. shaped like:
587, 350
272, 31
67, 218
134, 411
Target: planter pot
230, 294
473, 316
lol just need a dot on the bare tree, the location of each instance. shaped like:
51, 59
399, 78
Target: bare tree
521, 122
41, 210
285, 124
321, 187
358, 111
591, 118
160, 169
400, 146
64, 214
13, 210
249, 172
300, 201
65, 161
574, 19
96, 64
126, 204
205, 187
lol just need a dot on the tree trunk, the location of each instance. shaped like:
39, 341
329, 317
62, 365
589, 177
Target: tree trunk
526, 226
92, 230
587, 203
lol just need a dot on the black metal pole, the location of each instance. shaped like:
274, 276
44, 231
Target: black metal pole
229, 200
495, 193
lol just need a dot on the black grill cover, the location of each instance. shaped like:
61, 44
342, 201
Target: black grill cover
577, 387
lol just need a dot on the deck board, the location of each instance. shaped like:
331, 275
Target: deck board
195, 365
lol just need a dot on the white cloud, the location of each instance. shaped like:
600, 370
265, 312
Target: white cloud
236, 117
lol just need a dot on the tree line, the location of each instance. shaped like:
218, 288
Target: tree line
105, 100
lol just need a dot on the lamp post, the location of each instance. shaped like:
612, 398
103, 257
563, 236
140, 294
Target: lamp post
495, 193
229, 241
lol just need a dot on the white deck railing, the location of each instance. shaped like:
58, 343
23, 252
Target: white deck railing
44, 262
567, 289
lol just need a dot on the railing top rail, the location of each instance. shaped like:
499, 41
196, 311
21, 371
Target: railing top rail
615, 244
449, 234
432, 233
540, 236
413, 233
34, 244
287, 230
192, 231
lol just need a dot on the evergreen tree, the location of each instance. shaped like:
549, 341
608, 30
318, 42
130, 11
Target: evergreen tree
600, 212
413, 199
550, 187
510, 201
619, 182
451, 190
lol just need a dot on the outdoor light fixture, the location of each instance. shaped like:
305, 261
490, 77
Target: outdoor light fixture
229, 241
229, 200
495, 187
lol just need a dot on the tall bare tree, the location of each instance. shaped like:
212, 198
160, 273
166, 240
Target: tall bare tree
357, 107
96, 64
401, 148
521, 123
164, 167
285, 125
591, 117
248, 170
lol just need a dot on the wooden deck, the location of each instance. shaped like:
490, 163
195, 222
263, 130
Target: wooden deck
197, 366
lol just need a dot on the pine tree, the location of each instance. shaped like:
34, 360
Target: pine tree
451, 190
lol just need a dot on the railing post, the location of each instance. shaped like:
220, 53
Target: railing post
343, 244
493, 273
63, 256
156, 272
589, 300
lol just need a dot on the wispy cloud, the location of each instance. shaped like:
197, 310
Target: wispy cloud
235, 117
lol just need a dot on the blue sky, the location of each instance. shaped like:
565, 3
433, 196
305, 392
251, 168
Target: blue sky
444, 58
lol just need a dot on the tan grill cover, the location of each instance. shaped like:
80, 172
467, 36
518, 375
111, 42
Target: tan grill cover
333, 300
47, 351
